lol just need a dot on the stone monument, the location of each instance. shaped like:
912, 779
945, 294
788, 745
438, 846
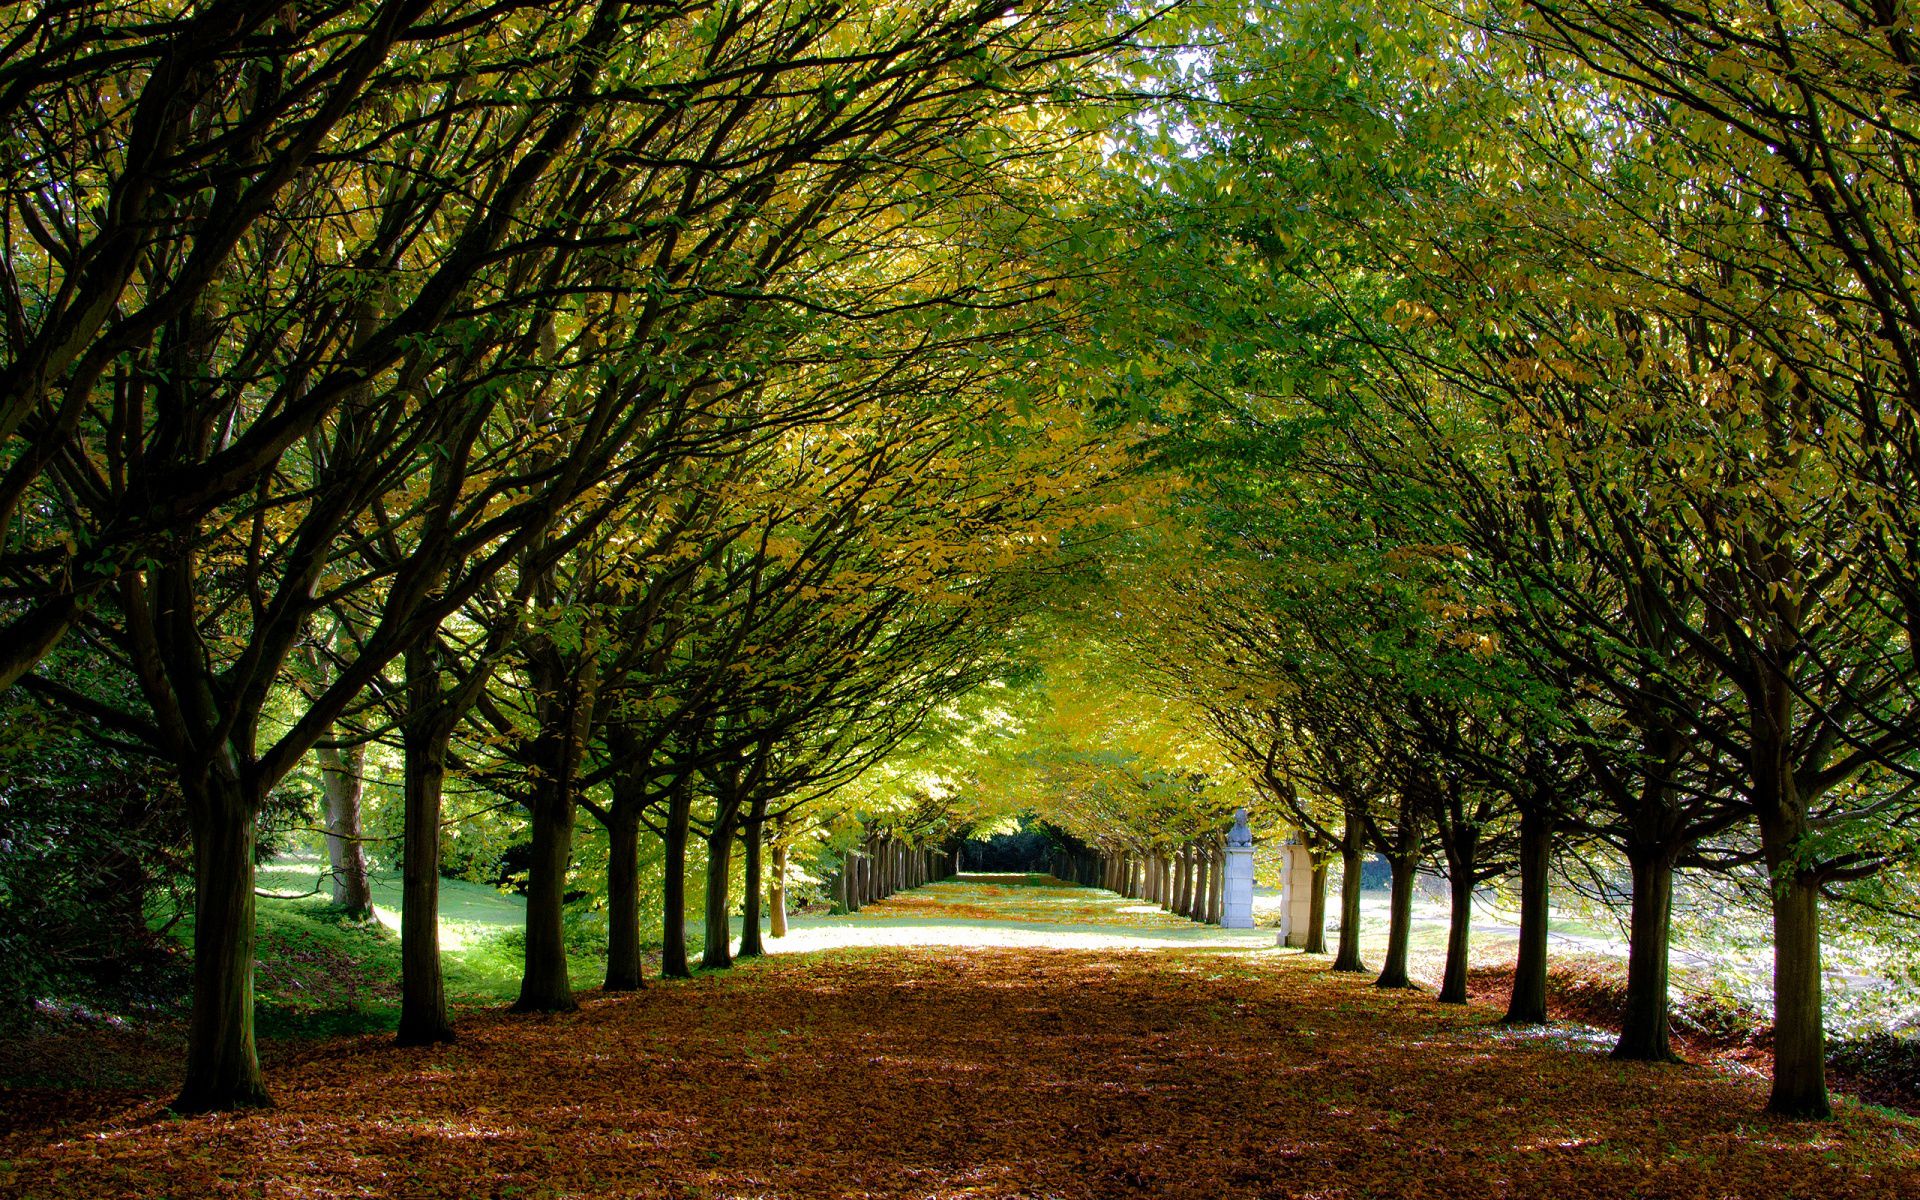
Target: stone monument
1236, 907
1296, 894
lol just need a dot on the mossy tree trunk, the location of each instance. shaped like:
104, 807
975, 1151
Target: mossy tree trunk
676, 832
425, 739
223, 1068
1527, 1004
752, 836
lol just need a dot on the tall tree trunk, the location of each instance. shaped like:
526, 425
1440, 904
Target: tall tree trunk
424, 741
1352, 862
777, 890
223, 1069
752, 835
1453, 980
1528, 1003
544, 985
717, 955
1216, 885
673, 892
1799, 1040
623, 899
342, 782
1393, 973
1644, 1032
1317, 908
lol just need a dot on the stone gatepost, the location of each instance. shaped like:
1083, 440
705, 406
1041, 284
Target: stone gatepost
1296, 894
1236, 905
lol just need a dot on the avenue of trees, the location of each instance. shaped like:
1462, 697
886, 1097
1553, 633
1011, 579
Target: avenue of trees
1487, 433
1556, 461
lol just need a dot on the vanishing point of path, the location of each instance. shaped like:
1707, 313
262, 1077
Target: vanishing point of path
1164, 1062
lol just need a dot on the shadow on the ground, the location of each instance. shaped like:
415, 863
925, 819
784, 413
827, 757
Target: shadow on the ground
987, 1073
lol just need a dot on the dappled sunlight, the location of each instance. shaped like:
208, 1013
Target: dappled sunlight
990, 1072
1011, 912
919, 1057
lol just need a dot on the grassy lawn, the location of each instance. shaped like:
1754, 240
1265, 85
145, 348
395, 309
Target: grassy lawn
320, 975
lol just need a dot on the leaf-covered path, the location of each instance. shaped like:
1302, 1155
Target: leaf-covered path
937, 1071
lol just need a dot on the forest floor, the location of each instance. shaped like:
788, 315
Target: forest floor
1165, 1064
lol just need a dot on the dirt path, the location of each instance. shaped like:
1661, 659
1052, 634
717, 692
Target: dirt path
986, 1072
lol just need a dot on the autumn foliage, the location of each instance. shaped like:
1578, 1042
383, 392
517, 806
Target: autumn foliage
1008, 1072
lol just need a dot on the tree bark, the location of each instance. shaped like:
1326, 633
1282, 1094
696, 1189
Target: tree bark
1453, 980
1216, 886
717, 954
777, 891
623, 900
424, 740
1352, 862
673, 892
1317, 908
544, 985
343, 782
751, 833
223, 1069
1527, 1005
1202, 886
1644, 1032
1799, 1039
1393, 973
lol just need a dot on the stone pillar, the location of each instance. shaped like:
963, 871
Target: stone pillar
1296, 894
1236, 901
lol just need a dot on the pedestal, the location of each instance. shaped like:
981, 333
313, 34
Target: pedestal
1296, 894
1236, 901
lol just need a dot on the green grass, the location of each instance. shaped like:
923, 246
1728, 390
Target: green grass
320, 974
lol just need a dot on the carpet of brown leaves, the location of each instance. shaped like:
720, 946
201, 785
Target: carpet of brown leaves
984, 1073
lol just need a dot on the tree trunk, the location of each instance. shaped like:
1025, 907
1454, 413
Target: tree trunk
1352, 862
1202, 886
673, 892
1216, 886
544, 985
623, 900
1317, 908
343, 781
223, 1069
777, 891
1528, 1003
1644, 1033
1799, 1041
1393, 973
424, 740
1453, 981
750, 943
717, 955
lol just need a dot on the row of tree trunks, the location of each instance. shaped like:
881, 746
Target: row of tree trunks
883, 865
1187, 881
1084, 868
